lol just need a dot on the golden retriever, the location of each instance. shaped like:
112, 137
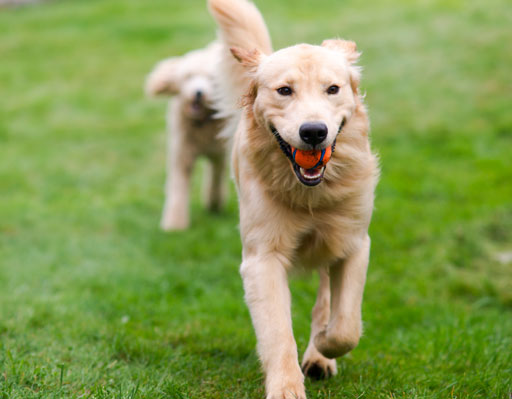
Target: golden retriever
193, 131
302, 97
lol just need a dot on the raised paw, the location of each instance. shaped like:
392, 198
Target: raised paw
317, 366
338, 343
319, 369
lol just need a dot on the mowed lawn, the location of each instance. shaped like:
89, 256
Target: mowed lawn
97, 302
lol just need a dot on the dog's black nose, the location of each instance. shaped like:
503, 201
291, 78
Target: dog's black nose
199, 95
313, 132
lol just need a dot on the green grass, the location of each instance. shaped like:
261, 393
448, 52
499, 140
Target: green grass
96, 302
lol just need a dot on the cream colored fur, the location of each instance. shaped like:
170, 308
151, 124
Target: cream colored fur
193, 131
283, 223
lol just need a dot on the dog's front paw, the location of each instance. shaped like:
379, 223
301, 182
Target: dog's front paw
288, 392
286, 386
168, 226
317, 366
173, 223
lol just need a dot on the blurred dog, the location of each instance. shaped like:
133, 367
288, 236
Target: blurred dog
192, 131
303, 100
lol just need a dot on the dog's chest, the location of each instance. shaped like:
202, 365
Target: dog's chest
323, 243
203, 137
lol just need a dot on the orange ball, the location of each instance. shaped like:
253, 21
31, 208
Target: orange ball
312, 158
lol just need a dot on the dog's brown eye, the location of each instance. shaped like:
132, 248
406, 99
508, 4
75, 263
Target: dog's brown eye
333, 89
285, 91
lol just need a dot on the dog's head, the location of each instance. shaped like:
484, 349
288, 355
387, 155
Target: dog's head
303, 95
190, 77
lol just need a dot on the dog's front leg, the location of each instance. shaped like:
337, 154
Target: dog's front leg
181, 158
268, 297
314, 364
347, 280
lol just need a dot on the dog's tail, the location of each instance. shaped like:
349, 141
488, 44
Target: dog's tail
240, 26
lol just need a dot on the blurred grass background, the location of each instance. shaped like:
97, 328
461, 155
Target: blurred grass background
96, 302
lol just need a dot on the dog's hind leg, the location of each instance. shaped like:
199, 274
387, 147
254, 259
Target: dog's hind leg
215, 184
268, 297
347, 280
314, 364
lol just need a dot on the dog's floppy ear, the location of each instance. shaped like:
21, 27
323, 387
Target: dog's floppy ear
349, 50
164, 78
250, 59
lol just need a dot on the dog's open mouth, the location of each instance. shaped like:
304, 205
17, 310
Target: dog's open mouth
309, 177
197, 105
200, 111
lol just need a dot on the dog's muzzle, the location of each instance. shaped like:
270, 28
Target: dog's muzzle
308, 177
